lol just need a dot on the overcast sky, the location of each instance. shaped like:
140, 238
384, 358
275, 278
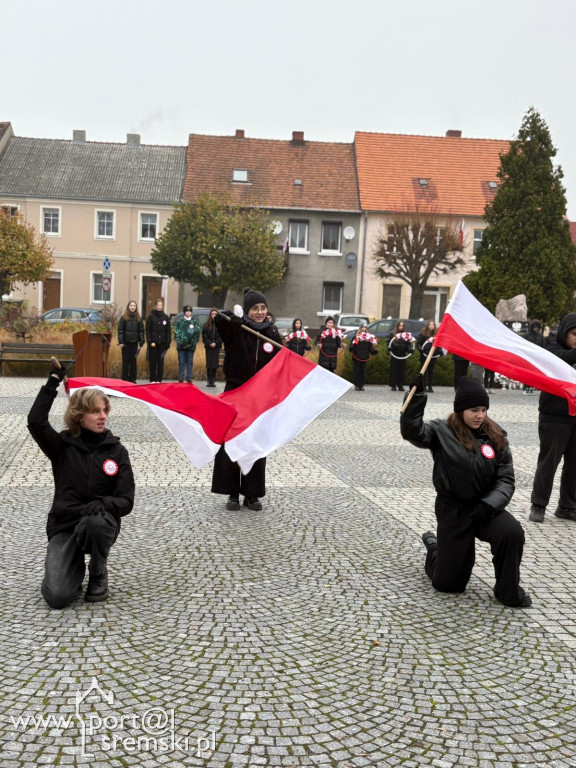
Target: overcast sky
166, 68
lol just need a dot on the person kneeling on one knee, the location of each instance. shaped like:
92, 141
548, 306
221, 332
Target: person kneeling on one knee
93, 489
473, 477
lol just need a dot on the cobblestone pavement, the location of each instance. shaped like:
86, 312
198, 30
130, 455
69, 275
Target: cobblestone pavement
303, 635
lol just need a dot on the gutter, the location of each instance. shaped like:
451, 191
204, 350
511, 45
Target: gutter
361, 290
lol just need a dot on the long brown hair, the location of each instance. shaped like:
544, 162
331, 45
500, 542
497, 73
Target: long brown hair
127, 314
465, 436
426, 332
396, 327
209, 320
83, 401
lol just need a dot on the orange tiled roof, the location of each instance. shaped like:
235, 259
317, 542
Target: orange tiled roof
458, 171
326, 170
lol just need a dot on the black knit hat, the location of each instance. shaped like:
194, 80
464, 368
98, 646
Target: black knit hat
252, 297
187, 308
470, 394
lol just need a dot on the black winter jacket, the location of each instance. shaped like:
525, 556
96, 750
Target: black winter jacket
465, 476
423, 345
330, 344
210, 335
551, 407
363, 350
79, 474
130, 330
245, 353
158, 329
533, 335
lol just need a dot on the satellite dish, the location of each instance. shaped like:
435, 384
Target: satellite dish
277, 227
351, 259
349, 233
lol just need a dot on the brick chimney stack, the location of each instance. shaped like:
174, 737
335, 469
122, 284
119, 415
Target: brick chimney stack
453, 134
239, 133
298, 137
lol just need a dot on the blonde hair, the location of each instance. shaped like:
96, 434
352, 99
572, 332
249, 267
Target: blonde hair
81, 402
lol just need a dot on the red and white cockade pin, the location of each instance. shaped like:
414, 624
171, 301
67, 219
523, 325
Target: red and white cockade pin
267, 347
110, 467
487, 451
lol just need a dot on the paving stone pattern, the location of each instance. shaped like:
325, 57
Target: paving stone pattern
303, 635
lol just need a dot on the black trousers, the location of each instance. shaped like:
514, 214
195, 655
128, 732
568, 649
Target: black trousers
460, 369
449, 566
65, 567
397, 372
129, 352
227, 477
557, 440
156, 361
429, 375
329, 363
488, 378
359, 372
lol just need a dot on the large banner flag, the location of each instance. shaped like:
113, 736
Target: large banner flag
469, 330
265, 413
199, 422
276, 404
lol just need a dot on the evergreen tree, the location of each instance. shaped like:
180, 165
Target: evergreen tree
526, 247
217, 247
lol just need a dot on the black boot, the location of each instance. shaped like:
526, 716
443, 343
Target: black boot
97, 590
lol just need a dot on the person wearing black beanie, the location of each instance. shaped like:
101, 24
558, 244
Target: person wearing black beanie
473, 476
245, 355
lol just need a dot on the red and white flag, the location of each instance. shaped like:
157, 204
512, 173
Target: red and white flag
469, 330
276, 404
198, 421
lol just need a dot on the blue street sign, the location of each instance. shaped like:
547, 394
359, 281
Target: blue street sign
106, 264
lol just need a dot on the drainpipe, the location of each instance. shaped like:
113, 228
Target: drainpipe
361, 291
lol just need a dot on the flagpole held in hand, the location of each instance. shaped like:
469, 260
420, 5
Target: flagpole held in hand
422, 372
253, 332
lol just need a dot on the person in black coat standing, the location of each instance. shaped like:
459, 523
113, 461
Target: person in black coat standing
534, 336
130, 339
473, 476
93, 489
400, 346
298, 340
557, 434
212, 345
159, 337
362, 349
330, 345
424, 343
245, 355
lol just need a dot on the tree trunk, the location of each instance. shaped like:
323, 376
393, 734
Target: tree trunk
416, 302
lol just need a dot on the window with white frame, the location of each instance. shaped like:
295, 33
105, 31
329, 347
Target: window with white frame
332, 298
478, 235
51, 221
148, 226
434, 302
240, 174
99, 284
105, 224
331, 236
11, 210
298, 234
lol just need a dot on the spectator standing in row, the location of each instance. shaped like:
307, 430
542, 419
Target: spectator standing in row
424, 343
362, 349
212, 345
159, 338
460, 369
557, 434
186, 333
329, 342
534, 336
400, 346
131, 340
298, 340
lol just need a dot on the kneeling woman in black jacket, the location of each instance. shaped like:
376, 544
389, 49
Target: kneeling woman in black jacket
93, 489
474, 480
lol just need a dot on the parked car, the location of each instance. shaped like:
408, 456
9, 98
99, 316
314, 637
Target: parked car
350, 322
384, 327
200, 314
284, 325
73, 314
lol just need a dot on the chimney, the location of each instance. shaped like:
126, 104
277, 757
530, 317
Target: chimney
79, 137
133, 139
298, 137
453, 134
239, 133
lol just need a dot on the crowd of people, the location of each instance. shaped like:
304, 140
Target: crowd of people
473, 473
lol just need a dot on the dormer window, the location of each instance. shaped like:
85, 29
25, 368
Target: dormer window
493, 184
423, 183
240, 174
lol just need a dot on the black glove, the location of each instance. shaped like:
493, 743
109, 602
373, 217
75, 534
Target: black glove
93, 508
481, 513
234, 319
56, 376
418, 382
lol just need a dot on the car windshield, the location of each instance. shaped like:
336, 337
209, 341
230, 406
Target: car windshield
353, 320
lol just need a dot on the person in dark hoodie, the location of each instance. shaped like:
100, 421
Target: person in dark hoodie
245, 355
473, 476
130, 339
557, 435
534, 336
298, 340
93, 489
212, 346
159, 337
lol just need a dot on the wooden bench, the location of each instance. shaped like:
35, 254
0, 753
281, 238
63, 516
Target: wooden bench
18, 352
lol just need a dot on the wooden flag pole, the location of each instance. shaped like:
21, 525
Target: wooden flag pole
422, 372
255, 333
